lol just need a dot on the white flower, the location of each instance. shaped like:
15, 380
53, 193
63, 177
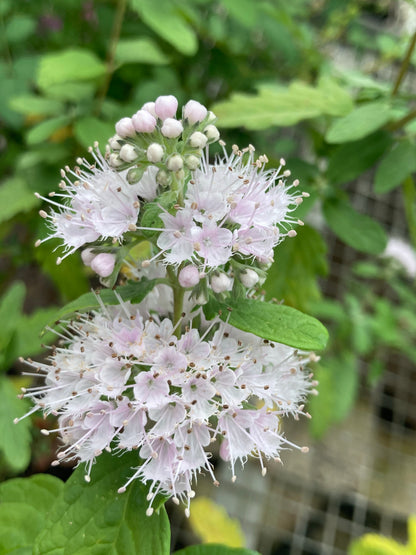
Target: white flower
403, 253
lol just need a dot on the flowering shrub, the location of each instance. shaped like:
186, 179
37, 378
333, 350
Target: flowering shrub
187, 353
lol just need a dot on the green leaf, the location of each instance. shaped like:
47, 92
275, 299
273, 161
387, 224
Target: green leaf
141, 50
42, 131
14, 438
355, 229
74, 92
350, 160
338, 386
283, 106
134, 292
214, 549
172, 27
245, 12
11, 305
24, 505
68, 66
92, 519
372, 544
90, 129
298, 265
275, 322
15, 197
30, 104
19, 28
359, 123
395, 167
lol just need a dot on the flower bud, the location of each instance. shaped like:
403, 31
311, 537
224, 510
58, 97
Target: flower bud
249, 278
87, 256
144, 122
155, 152
221, 283
134, 175
125, 128
212, 133
149, 107
198, 139
162, 178
171, 128
128, 153
175, 163
211, 116
188, 276
194, 112
114, 160
166, 106
201, 298
114, 142
192, 162
103, 264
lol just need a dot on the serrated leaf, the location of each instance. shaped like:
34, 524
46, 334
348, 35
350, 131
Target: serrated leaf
42, 131
92, 519
338, 386
141, 50
70, 65
212, 524
395, 167
355, 229
279, 323
134, 292
283, 106
14, 438
298, 264
30, 104
350, 160
172, 27
359, 123
89, 129
214, 549
15, 197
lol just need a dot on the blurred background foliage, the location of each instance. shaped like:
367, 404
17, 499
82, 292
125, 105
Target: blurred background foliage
70, 69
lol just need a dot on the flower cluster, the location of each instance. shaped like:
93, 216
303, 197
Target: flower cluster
126, 381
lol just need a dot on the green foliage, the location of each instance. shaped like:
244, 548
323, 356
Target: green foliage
338, 386
25, 504
293, 276
357, 230
14, 439
89, 129
134, 292
70, 65
395, 167
212, 549
359, 123
42, 131
141, 50
274, 322
284, 106
15, 197
92, 519
373, 544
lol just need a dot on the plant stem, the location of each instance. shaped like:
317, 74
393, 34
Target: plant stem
111, 53
409, 199
402, 121
178, 295
405, 65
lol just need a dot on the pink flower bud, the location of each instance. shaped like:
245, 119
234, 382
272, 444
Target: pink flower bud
198, 139
144, 122
155, 152
87, 256
166, 106
125, 128
103, 264
171, 128
188, 276
150, 107
194, 112
114, 142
